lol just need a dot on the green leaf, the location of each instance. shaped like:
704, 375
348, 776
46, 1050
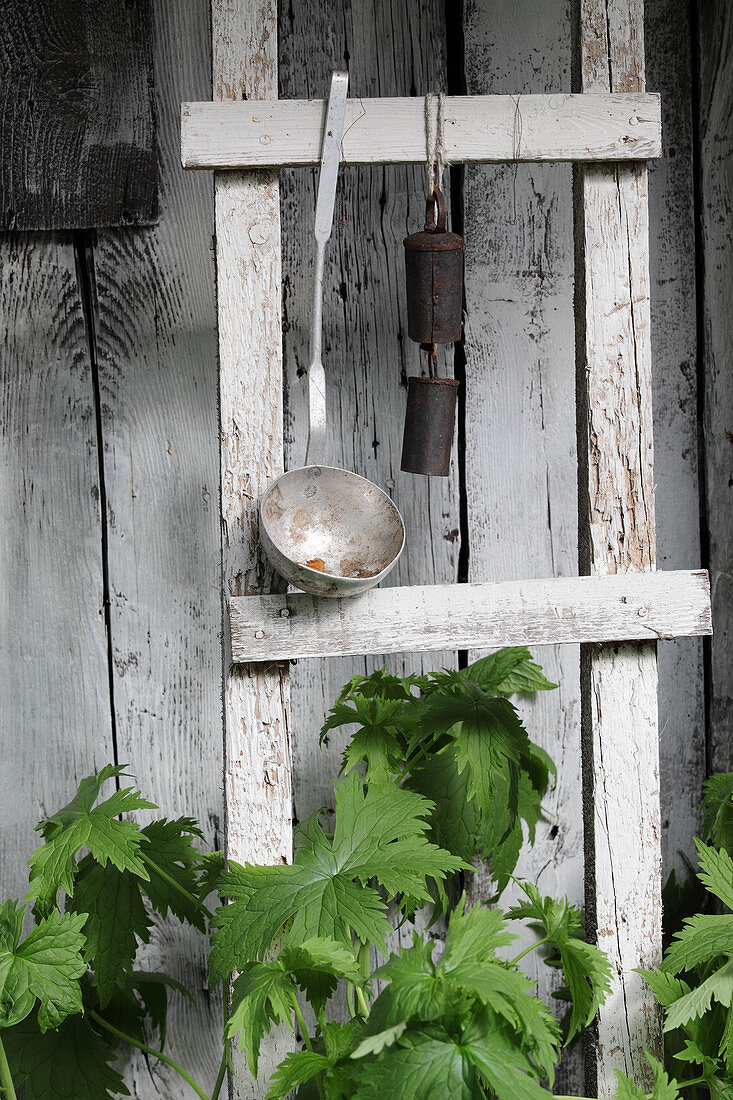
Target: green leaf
666, 988
490, 740
379, 740
45, 965
433, 1062
378, 835
468, 974
212, 866
316, 965
79, 825
71, 1063
695, 1003
716, 872
502, 1064
296, 1068
663, 1089
508, 671
454, 823
718, 807
172, 850
423, 1066
261, 995
116, 921
703, 937
474, 936
586, 969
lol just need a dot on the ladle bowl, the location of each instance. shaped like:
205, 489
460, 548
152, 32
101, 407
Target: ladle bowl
330, 532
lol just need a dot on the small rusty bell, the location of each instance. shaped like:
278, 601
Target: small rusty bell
434, 269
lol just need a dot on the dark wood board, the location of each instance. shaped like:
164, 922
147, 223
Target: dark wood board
77, 125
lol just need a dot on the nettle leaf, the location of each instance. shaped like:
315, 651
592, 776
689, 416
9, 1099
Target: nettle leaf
587, 970
433, 1062
468, 974
379, 834
79, 825
115, 922
171, 848
317, 965
71, 1063
455, 821
696, 1002
666, 988
297, 1068
46, 965
379, 740
716, 872
211, 867
718, 807
704, 937
663, 1088
117, 919
490, 741
263, 993
509, 671
384, 685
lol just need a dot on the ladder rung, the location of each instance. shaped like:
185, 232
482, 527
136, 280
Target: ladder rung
622, 607
276, 133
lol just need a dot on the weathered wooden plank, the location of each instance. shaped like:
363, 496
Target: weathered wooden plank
77, 128
674, 381
55, 719
155, 331
616, 534
715, 34
286, 133
367, 355
257, 780
426, 618
521, 491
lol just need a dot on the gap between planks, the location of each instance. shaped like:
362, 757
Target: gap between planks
558, 127
620, 607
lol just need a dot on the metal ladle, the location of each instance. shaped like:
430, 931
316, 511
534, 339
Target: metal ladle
328, 531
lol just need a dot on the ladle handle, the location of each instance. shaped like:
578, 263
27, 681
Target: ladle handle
330, 158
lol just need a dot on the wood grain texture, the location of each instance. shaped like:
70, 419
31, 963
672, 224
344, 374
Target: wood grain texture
55, 718
257, 776
155, 337
616, 534
520, 414
674, 385
77, 126
425, 618
392, 131
391, 48
715, 33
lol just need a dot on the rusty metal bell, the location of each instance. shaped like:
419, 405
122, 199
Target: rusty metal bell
434, 271
429, 420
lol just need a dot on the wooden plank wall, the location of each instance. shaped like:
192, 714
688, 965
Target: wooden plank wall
77, 120
109, 460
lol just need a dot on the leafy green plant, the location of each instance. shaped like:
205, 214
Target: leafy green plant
698, 1007
437, 769
69, 992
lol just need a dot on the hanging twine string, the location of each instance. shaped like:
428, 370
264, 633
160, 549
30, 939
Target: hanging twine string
435, 139
435, 164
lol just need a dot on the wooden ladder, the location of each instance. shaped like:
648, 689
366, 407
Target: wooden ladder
616, 609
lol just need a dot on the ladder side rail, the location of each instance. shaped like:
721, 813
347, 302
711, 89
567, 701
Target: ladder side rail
620, 737
257, 763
